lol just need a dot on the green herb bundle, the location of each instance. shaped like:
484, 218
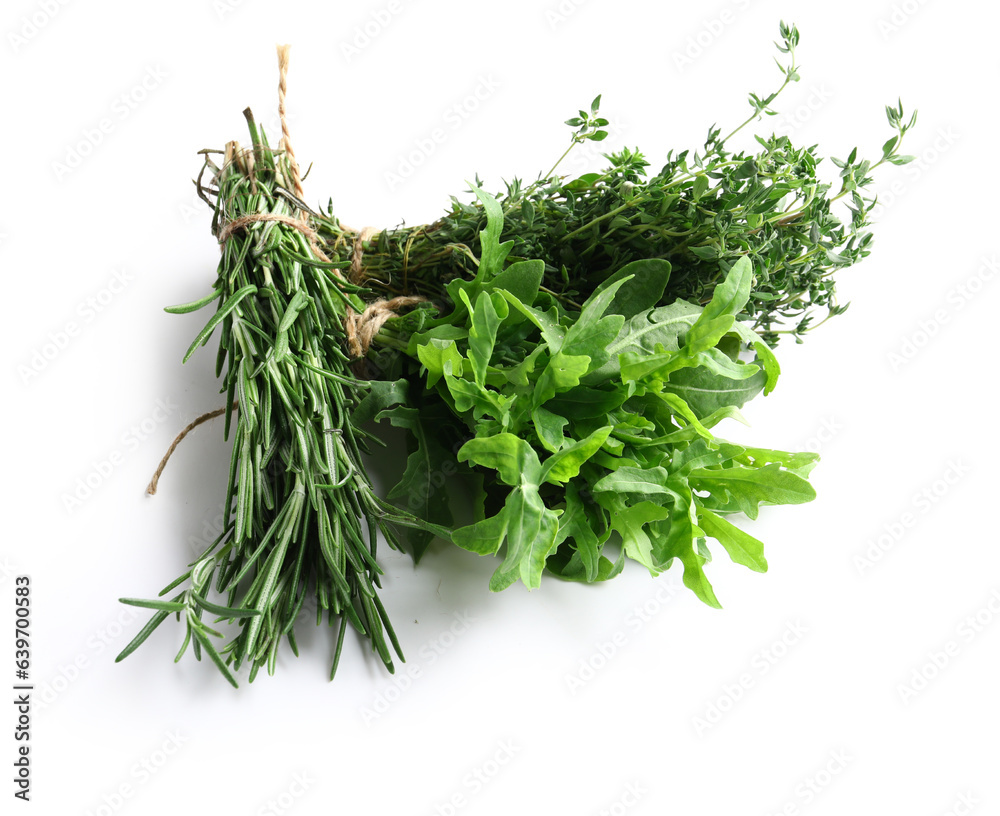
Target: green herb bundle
567, 348
301, 516
596, 421
701, 212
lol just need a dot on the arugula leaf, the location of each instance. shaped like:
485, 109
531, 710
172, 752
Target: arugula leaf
381, 394
492, 252
630, 522
644, 332
695, 578
750, 487
707, 392
500, 580
575, 526
702, 454
742, 547
679, 540
680, 408
531, 534
635, 480
588, 403
527, 525
521, 279
486, 318
731, 294
765, 357
691, 432
482, 401
800, 464
719, 316
438, 357
549, 428
565, 464
514, 460
440, 331
570, 567
420, 490
561, 374
547, 322
720, 363
591, 331
485, 536
647, 280
491, 258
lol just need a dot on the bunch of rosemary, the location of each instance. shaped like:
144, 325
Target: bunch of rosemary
573, 346
301, 516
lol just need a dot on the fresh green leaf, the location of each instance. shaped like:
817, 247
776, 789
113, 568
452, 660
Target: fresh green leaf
742, 547
440, 357
483, 332
565, 464
749, 487
707, 393
511, 457
521, 280
421, 489
485, 536
646, 280
549, 427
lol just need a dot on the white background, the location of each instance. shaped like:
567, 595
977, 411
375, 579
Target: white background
829, 646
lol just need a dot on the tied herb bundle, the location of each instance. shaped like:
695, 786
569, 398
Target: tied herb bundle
301, 516
567, 349
701, 212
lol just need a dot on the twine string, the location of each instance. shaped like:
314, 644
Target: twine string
286, 142
155, 481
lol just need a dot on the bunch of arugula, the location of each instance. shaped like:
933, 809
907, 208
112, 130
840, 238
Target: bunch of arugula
591, 422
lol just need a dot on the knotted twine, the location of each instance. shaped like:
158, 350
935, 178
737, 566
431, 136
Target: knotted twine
360, 329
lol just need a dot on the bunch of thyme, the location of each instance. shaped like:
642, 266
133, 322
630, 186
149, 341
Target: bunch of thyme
702, 211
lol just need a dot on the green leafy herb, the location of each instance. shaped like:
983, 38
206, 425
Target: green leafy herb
651, 469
